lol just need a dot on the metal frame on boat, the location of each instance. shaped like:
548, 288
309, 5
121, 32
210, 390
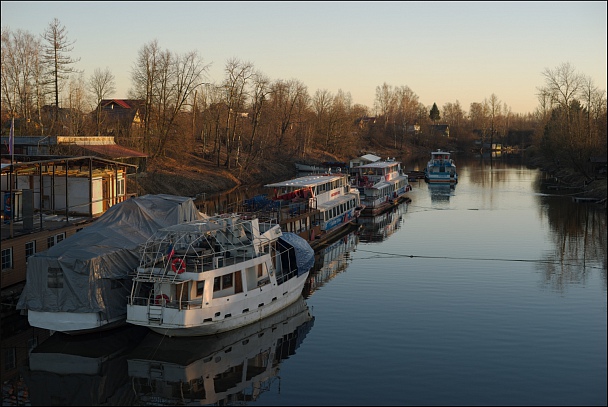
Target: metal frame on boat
217, 274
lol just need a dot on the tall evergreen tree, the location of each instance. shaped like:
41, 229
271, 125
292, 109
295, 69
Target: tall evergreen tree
434, 115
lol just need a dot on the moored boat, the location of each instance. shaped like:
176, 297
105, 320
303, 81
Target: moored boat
381, 184
81, 284
316, 207
218, 274
440, 168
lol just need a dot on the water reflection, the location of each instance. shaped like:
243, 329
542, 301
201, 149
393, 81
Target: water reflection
579, 238
380, 227
441, 193
230, 368
329, 262
91, 369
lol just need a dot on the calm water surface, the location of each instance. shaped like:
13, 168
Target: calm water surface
489, 293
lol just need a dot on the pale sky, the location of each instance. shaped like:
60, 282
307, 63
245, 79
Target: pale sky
443, 51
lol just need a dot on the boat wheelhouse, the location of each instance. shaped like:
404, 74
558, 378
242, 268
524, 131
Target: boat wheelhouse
381, 184
218, 274
317, 207
440, 168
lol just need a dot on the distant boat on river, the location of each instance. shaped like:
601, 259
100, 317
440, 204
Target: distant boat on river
440, 168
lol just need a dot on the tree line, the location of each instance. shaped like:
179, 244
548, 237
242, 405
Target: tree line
248, 117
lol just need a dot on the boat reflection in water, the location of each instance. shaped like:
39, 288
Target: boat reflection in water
330, 261
380, 227
82, 370
228, 368
441, 193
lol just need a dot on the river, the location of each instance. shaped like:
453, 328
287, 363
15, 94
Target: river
489, 293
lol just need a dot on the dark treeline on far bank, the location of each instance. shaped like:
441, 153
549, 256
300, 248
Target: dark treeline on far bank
247, 118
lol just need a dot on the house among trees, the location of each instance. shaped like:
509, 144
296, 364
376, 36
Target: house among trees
440, 129
119, 117
365, 121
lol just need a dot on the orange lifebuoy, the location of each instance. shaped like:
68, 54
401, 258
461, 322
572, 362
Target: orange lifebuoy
178, 265
160, 298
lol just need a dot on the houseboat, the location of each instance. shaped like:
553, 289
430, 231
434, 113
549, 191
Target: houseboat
317, 207
381, 184
440, 168
225, 369
218, 274
81, 284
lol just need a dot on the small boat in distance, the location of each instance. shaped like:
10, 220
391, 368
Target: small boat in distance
381, 184
440, 168
218, 274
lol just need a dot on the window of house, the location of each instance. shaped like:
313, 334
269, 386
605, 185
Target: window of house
7, 258
55, 277
53, 240
30, 248
120, 187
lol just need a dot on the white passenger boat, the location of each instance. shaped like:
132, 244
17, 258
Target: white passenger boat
381, 184
440, 168
225, 369
317, 207
215, 275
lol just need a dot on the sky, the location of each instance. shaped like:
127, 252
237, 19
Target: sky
445, 52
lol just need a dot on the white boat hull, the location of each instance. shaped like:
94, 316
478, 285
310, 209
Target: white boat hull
192, 322
73, 322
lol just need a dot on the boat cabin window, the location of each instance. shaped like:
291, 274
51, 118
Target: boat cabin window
260, 271
223, 282
200, 285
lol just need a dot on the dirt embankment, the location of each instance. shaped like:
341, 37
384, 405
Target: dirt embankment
192, 175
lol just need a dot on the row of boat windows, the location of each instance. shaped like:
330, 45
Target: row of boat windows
339, 209
387, 189
379, 171
320, 188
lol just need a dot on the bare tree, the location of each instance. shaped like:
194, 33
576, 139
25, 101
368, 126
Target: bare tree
77, 105
562, 84
259, 97
144, 76
494, 109
238, 75
100, 84
287, 99
20, 77
184, 77
56, 57
385, 102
